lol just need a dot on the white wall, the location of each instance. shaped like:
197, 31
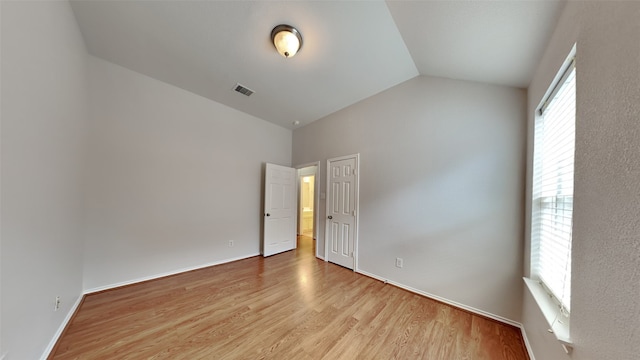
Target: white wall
441, 184
173, 178
605, 300
43, 132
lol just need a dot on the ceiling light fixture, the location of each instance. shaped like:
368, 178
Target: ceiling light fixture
286, 39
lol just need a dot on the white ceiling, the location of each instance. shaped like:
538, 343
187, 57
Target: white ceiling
497, 42
351, 50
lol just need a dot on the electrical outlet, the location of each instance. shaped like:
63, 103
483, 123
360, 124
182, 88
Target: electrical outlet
57, 304
399, 262
230, 243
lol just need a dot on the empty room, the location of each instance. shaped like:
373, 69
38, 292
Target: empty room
442, 179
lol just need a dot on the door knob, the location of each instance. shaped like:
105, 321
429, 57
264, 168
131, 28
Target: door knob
267, 214
330, 217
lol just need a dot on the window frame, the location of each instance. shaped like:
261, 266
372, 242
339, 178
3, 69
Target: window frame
551, 196
551, 306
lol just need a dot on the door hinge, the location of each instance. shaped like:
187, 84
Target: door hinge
351, 255
355, 171
354, 213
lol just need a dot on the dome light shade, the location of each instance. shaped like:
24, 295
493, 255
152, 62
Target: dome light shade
286, 39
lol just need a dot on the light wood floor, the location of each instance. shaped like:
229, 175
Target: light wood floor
288, 306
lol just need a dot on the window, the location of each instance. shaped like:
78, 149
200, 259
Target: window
552, 205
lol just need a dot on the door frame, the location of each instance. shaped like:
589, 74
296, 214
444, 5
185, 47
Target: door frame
357, 207
316, 198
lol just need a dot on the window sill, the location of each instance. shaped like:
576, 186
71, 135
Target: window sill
551, 313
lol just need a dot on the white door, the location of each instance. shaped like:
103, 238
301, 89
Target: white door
279, 210
342, 204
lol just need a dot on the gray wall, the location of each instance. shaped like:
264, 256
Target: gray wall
441, 186
43, 133
605, 299
173, 177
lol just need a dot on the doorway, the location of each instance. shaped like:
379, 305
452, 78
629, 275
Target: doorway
308, 192
307, 185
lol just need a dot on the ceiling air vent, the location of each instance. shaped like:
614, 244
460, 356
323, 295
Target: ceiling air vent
243, 90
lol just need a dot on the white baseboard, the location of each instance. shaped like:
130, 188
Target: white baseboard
161, 275
527, 344
61, 328
441, 299
501, 319
56, 336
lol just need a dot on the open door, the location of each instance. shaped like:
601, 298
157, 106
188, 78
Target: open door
279, 210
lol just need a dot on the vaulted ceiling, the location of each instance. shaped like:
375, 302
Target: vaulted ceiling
352, 49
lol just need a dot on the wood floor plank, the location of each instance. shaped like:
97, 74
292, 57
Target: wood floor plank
287, 306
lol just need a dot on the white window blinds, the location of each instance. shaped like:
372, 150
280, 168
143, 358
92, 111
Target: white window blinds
552, 213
